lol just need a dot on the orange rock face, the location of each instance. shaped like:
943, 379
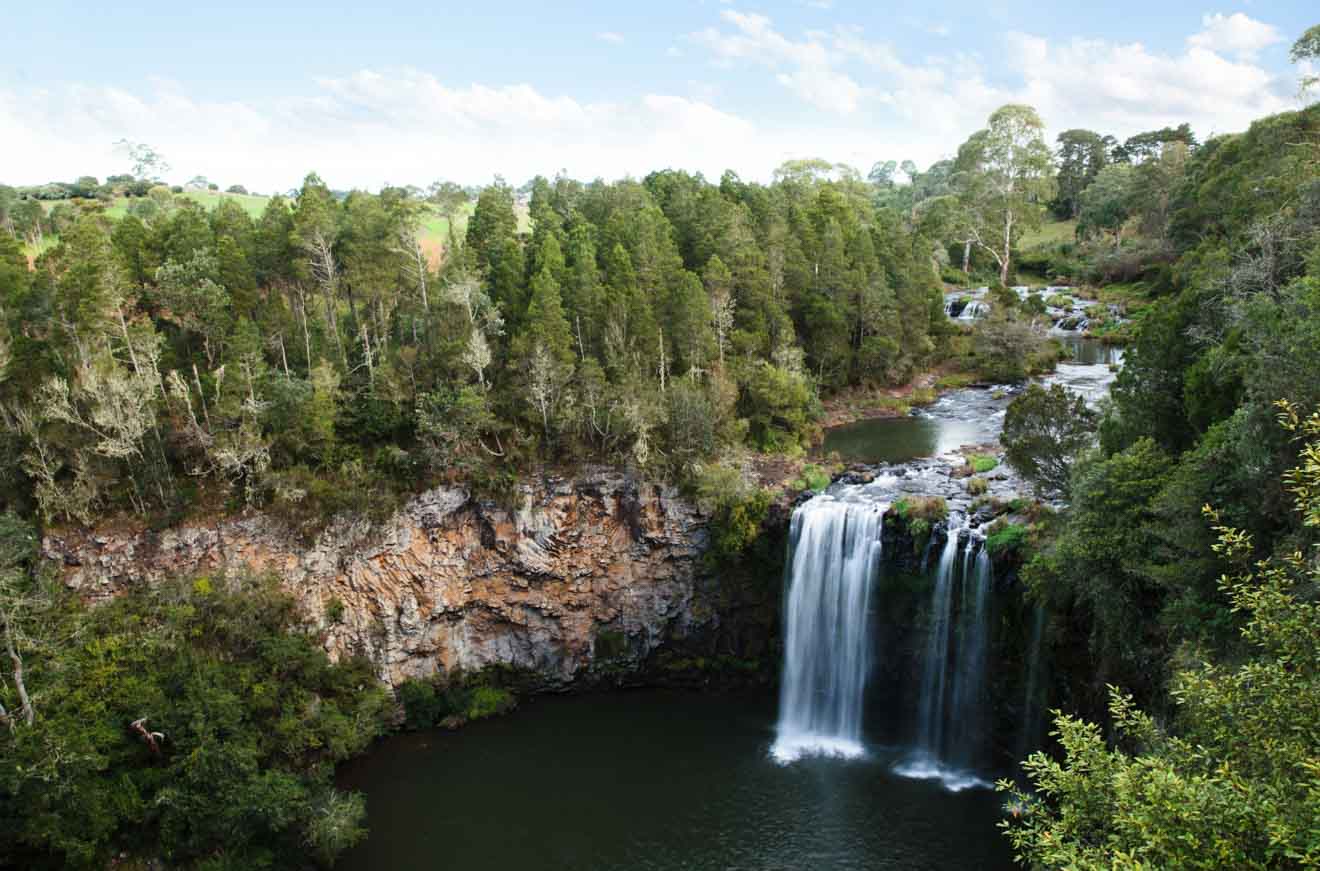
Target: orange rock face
450, 582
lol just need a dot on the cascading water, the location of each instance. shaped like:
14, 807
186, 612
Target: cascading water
966, 714
1030, 734
835, 556
950, 713
935, 672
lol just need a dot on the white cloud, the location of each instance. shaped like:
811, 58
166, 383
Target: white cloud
370, 128
610, 36
805, 67
1126, 88
407, 126
1119, 88
1236, 34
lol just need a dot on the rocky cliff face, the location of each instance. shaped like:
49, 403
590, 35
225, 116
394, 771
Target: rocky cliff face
583, 572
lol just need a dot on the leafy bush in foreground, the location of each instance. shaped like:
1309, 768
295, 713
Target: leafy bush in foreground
196, 722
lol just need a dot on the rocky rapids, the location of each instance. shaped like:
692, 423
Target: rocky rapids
582, 580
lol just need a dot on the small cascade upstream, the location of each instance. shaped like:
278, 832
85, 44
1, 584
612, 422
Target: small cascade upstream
835, 556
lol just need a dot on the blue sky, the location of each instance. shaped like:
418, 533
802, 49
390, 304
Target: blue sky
407, 92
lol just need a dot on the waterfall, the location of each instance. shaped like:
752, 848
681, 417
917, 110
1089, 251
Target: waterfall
1029, 737
935, 671
834, 557
950, 715
973, 310
967, 715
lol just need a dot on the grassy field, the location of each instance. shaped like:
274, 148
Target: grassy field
1050, 233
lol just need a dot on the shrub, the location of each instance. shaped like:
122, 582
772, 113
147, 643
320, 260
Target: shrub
923, 396
982, 463
813, 478
488, 701
977, 486
1044, 433
780, 406
928, 508
1002, 345
736, 525
953, 275
423, 707
1005, 539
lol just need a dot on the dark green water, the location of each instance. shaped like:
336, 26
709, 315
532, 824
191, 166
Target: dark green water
649, 780
899, 439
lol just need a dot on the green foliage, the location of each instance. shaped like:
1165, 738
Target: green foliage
813, 478
489, 701
1004, 174
736, 508
1107, 204
1004, 539
737, 524
1232, 783
1307, 49
1002, 346
982, 463
920, 514
453, 701
659, 324
928, 508
977, 486
423, 706
1099, 565
1082, 155
779, 406
920, 529
1044, 433
247, 706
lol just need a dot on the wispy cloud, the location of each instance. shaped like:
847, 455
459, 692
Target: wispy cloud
871, 101
610, 36
1236, 34
806, 67
412, 126
1215, 84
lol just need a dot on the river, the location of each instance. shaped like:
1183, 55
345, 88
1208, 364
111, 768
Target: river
651, 780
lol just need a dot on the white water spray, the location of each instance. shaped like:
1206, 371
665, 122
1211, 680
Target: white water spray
835, 556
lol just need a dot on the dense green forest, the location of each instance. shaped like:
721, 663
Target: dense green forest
654, 323
1185, 567
317, 357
